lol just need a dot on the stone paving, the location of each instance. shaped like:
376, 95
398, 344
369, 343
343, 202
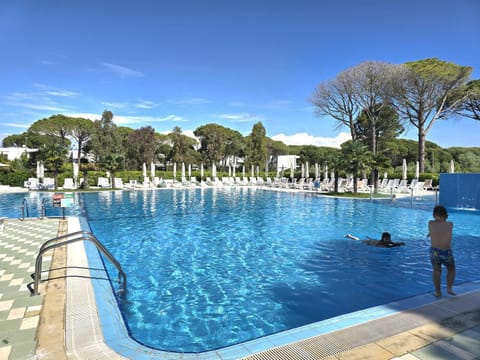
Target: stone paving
19, 311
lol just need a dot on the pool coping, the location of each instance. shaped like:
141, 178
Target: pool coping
95, 327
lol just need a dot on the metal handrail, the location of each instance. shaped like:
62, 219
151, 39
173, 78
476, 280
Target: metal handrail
68, 239
24, 206
43, 210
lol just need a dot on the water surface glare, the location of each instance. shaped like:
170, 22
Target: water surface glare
208, 268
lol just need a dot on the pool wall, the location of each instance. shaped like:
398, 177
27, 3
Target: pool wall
460, 191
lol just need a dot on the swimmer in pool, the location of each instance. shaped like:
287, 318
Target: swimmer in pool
385, 241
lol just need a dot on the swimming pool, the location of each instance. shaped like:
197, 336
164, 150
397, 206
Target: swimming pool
212, 267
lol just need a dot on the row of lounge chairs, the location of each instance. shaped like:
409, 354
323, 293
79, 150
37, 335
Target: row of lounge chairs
325, 185
45, 183
402, 186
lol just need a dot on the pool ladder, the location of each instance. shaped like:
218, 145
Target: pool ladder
68, 239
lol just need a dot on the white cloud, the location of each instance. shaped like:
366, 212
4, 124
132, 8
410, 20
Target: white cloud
54, 91
113, 105
243, 117
145, 104
122, 71
188, 133
307, 139
21, 126
192, 101
131, 120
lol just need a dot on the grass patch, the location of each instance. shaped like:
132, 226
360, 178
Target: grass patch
357, 195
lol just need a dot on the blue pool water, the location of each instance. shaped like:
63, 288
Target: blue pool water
208, 268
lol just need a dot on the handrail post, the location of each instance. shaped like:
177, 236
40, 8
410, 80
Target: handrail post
43, 210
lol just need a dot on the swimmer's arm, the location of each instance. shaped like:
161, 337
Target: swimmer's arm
350, 236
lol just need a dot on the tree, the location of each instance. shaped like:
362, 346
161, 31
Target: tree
141, 147
106, 141
377, 131
423, 88
56, 125
213, 140
336, 98
468, 97
356, 158
182, 146
372, 82
257, 146
112, 163
80, 130
53, 156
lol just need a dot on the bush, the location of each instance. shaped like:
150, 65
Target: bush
14, 178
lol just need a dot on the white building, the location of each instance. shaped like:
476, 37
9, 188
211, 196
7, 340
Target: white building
16, 152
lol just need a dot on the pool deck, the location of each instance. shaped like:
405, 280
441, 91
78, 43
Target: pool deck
37, 327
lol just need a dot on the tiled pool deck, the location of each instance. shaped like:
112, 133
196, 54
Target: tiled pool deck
417, 328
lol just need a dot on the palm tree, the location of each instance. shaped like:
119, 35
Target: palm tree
356, 159
113, 162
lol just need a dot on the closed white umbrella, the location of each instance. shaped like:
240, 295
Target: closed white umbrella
252, 172
258, 171
144, 170
326, 172
452, 167
175, 171
229, 171
417, 170
214, 170
292, 170
316, 171
303, 170
243, 171
307, 174
189, 171
404, 169
201, 171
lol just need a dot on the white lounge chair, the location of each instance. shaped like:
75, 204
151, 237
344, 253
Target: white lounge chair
48, 183
103, 182
118, 183
68, 183
427, 185
31, 184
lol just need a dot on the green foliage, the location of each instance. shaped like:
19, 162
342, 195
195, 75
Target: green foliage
257, 146
14, 178
141, 147
182, 147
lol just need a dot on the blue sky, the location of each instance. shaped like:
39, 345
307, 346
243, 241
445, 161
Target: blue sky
231, 62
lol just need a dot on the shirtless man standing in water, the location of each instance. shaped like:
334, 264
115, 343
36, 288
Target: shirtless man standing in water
440, 232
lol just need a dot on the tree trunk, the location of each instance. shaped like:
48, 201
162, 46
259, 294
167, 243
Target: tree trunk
421, 149
85, 180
